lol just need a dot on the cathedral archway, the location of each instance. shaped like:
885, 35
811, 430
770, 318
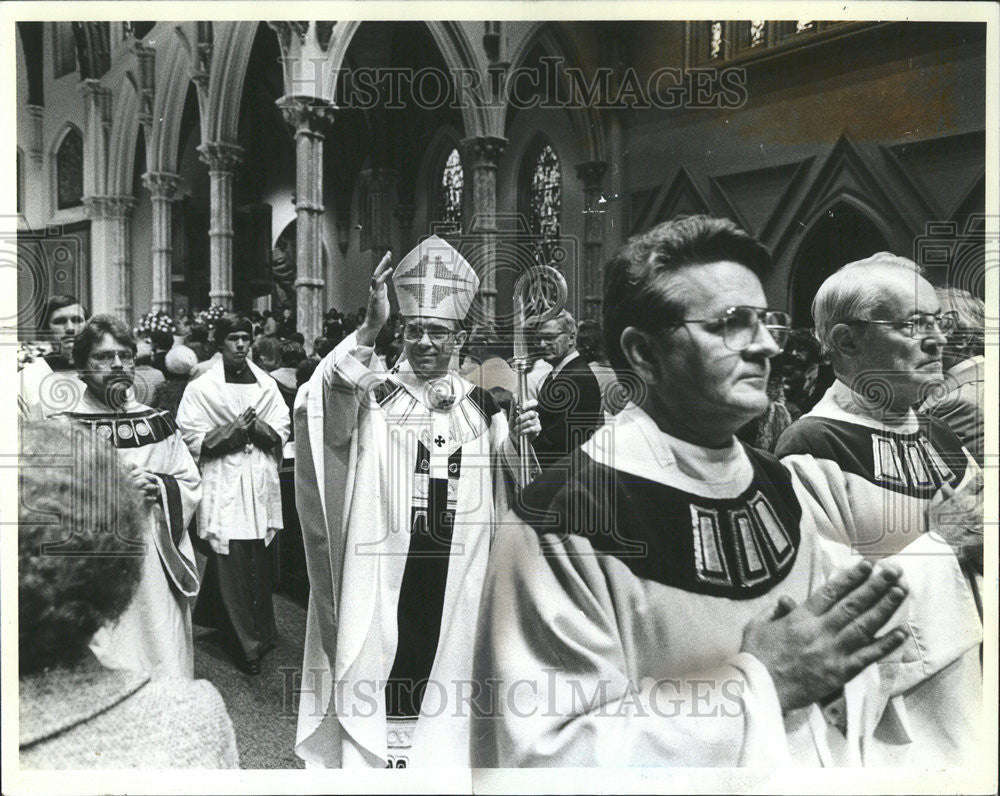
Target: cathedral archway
841, 234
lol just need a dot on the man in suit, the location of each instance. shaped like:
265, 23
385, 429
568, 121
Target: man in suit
569, 400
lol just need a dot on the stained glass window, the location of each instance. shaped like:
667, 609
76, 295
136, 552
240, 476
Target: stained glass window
757, 32
69, 170
452, 182
715, 40
545, 201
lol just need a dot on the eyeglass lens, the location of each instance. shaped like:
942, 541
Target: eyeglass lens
741, 327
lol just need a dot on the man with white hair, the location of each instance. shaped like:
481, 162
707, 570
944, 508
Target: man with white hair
960, 401
400, 479
878, 475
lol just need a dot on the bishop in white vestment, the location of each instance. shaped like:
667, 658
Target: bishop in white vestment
400, 481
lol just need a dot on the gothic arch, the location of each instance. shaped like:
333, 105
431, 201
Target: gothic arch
168, 105
233, 42
65, 130
455, 48
124, 133
586, 121
856, 230
440, 146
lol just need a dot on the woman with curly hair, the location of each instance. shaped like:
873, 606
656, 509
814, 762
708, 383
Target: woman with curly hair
80, 559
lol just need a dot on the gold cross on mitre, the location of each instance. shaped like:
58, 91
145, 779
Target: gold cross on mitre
435, 281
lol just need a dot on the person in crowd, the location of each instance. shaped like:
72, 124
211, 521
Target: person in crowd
76, 576
179, 361
763, 431
297, 337
417, 450
569, 399
272, 324
590, 344
162, 342
881, 475
49, 385
305, 371
154, 633
799, 366
267, 353
960, 403
146, 378
235, 424
182, 327
291, 354
669, 602
206, 350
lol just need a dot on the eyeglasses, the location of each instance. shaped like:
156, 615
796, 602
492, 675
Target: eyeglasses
438, 335
919, 326
739, 326
108, 357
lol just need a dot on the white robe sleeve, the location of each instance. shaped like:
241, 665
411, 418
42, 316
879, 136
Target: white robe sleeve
347, 378
553, 656
194, 419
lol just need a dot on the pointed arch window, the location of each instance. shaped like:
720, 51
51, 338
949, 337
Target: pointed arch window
545, 203
450, 188
69, 170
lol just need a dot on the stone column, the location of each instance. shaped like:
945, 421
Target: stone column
310, 118
119, 211
482, 156
36, 146
221, 158
162, 187
103, 285
592, 173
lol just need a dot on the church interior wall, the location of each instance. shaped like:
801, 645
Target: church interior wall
887, 117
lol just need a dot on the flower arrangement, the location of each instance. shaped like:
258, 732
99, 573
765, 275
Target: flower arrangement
154, 321
210, 316
29, 351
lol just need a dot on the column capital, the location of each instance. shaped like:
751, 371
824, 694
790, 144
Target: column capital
161, 184
92, 86
109, 206
305, 114
591, 172
220, 155
484, 151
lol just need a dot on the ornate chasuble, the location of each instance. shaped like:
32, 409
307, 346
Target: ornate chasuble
438, 439
140, 429
734, 547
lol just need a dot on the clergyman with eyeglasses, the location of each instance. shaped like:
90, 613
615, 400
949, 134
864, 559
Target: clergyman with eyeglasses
882, 475
401, 479
154, 634
670, 601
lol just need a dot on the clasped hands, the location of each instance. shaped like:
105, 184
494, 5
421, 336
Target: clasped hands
146, 483
813, 649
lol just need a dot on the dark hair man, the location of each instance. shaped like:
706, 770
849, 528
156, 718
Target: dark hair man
235, 423
154, 634
49, 385
669, 602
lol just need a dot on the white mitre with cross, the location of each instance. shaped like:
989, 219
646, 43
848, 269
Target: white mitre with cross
435, 281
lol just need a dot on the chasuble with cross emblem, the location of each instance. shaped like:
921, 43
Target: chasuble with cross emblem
400, 484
